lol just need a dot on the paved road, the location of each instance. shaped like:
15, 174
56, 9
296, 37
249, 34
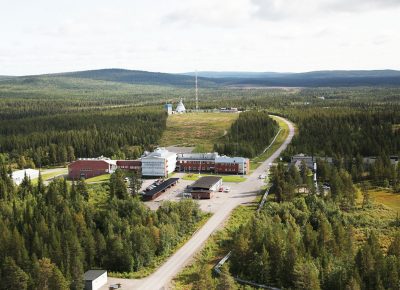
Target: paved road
245, 192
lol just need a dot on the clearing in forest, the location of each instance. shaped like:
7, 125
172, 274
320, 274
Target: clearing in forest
199, 130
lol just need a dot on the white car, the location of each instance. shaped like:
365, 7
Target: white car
227, 189
261, 176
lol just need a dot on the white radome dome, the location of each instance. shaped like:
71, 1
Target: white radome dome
180, 108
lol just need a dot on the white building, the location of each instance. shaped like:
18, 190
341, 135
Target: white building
19, 175
161, 162
180, 108
95, 279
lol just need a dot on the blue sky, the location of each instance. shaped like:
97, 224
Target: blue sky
45, 36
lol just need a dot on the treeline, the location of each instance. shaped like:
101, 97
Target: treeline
309, 244
249, 135
286, 183
50, 235
347, 133
60, 138
379, 171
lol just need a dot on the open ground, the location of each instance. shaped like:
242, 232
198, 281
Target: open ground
199, 130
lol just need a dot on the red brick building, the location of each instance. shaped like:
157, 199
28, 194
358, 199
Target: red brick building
87, 168
188, 162
135, 165
212, 162
91, 167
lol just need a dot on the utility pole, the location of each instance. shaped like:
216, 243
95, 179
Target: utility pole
197, 93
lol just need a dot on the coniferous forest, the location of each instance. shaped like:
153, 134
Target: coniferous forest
248, 135
304, 237
50, 235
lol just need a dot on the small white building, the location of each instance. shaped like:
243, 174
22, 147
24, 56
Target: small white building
19, 175
180, 108
160, 163
168, 108
95, 279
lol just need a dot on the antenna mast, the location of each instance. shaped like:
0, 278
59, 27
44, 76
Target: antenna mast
197, 93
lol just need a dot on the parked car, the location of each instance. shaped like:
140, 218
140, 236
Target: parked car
227, 189
221, 189
261, 176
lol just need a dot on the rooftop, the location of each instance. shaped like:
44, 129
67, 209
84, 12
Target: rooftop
100, 158
197, 156
206, 182
222, 159
93, 274
159, 153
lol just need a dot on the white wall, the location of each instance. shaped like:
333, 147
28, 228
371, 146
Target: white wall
171, 163
19, 175
100, 281
153, 167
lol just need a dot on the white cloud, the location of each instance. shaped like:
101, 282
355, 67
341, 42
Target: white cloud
276, 10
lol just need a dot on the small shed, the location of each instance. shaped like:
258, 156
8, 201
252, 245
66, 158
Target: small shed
205, 186
95, 279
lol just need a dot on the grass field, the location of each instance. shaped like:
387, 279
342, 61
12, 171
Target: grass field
225, 178
100, 178
379, 216
216, 247
255, 162
53, 173
199, 130
61, 171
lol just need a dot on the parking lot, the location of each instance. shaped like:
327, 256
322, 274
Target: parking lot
175, 193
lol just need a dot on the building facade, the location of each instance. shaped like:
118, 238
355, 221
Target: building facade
91, 167
95, 279
197, 162
212, 162
168, 108
205, 187
131, 165
229, 165
159, 163
19, 175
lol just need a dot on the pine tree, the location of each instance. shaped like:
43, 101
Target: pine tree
13, 277
226, 281
204, 279
118, 187
306, 276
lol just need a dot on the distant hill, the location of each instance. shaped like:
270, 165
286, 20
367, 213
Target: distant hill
209, 79
6, 77
236, 74
307, 79
138, 77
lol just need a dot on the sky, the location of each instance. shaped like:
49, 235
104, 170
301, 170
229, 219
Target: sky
48, 36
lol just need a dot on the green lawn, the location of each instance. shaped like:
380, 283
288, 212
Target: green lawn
50, 175
62, 171
100, 178
225, 178
199, 130
255, 162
